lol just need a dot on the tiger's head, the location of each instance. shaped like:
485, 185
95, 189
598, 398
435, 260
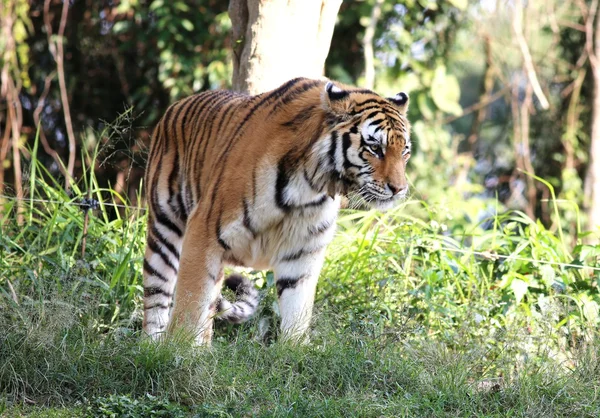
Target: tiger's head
369, 143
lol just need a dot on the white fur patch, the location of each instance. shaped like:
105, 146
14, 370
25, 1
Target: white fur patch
332, 88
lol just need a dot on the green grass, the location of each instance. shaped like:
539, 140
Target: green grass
354, 373
416, 317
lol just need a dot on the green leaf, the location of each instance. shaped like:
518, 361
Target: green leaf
187, 25
445, 91
459, 4
548, 275
519, 288
590, 308
426, 106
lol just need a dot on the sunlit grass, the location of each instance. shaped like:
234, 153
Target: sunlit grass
418, 314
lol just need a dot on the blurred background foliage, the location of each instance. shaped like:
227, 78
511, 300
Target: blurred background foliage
478, 124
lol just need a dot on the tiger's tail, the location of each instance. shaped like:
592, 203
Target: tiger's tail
246, 302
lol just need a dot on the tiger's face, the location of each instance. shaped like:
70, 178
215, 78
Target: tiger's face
374, 135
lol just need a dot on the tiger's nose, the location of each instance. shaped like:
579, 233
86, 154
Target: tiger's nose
396, 188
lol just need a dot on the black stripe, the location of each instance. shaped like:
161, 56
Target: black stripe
152, 290
199, 139
284, 283
211, 97
196, 110
159, 215
319, 229
332, 149
199, 152
162, 218
266, 98
377, 122
182, 206
219, 239
346, 143
164, 241
172, 181
310, 181
363, 91
254, 185
378, 109
165, 121
379, 101
195, 100
301, 117
247, 221
294, 95
155, 142
208, 139
227, 115
156, 249
301, 253
245, 302
280, 185
317, 202
152, 271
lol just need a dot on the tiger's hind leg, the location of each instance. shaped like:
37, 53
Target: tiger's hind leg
199, 283
161, 265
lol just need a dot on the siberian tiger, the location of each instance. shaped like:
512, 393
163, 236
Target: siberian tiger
256, 181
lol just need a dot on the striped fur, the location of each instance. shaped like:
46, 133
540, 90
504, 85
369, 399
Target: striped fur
255, 181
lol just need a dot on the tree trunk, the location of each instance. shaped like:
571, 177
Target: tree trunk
276, 40
368, 45
593, 174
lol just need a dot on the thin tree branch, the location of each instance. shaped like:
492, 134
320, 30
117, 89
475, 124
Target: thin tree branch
588, 16
36, 117
527, 60
478, 105
58, 53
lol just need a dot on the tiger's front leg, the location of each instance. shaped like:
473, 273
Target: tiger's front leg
296, 276
199, 283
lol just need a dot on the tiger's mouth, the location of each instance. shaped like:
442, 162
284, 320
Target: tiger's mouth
367, 197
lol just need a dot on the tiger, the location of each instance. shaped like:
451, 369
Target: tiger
256, 181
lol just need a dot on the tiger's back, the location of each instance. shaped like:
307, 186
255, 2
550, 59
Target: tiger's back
244, 180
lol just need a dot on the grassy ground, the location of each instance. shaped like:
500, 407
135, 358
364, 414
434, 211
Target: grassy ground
420, 313
353, 373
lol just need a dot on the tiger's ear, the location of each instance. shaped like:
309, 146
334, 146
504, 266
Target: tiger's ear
400, 100
336, 100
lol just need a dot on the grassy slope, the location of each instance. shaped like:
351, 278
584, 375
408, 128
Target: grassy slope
406, 326
338, 374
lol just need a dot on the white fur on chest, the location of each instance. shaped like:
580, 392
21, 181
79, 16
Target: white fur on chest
284, 235
277, 232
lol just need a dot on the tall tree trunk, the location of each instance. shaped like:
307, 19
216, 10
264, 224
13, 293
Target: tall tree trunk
276, 40
368, 45
593, 174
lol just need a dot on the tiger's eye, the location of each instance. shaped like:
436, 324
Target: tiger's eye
376, 148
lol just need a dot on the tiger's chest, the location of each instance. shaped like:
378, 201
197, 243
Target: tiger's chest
263, 237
